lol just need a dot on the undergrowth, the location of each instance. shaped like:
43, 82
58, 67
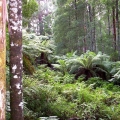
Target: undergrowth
50, 93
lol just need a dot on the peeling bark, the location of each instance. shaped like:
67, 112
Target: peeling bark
2, 59
16, 64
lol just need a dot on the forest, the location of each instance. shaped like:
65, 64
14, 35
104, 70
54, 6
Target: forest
59, 60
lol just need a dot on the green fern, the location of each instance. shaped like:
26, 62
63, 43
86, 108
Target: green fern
33, 44
89, 63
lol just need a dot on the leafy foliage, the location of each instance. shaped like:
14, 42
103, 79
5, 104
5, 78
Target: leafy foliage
91, 65
68, 26
45, 96
29, 7
80, 26
34, 45
88, 64
116, 76
33, 48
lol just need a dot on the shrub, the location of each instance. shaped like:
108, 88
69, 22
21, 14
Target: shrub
46, 95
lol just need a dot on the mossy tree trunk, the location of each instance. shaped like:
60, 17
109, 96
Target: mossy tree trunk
2, 59
16, 62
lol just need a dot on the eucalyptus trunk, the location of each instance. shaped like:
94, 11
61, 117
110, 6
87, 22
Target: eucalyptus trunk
109, 25
76, 19
85, 33
114, 29
101, 44
87, 29
117, 26
2, 59
94, 31
16, 66
91, 29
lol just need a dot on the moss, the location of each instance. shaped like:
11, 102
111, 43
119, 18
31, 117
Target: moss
2, 83
27, 64
2, 65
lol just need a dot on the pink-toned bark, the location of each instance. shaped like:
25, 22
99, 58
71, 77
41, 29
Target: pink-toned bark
2, 58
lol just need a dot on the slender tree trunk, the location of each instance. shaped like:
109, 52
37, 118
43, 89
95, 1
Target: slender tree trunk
91, 29
101, 44
16, 66
88, 30
94, 36
85, 32
84, 43
76, 18
114, 29
109, 31
117, 26
101, 41
76, 10
2, 59
117, 21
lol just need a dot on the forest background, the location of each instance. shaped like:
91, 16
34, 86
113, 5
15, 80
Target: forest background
70, 50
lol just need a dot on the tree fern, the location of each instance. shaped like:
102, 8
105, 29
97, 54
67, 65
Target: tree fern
91, 62
34, 45
116, 77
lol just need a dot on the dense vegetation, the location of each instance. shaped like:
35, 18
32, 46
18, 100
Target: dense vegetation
82, 86
71, 67
46, 94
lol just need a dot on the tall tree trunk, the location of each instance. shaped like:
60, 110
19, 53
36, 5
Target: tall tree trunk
117, 26
108, 18
76, 18
84, 45
114, 29
85, 33
16, 66
94, 36
75, 10
101, 41
2, 59
109, 28
88, 29
91, 29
